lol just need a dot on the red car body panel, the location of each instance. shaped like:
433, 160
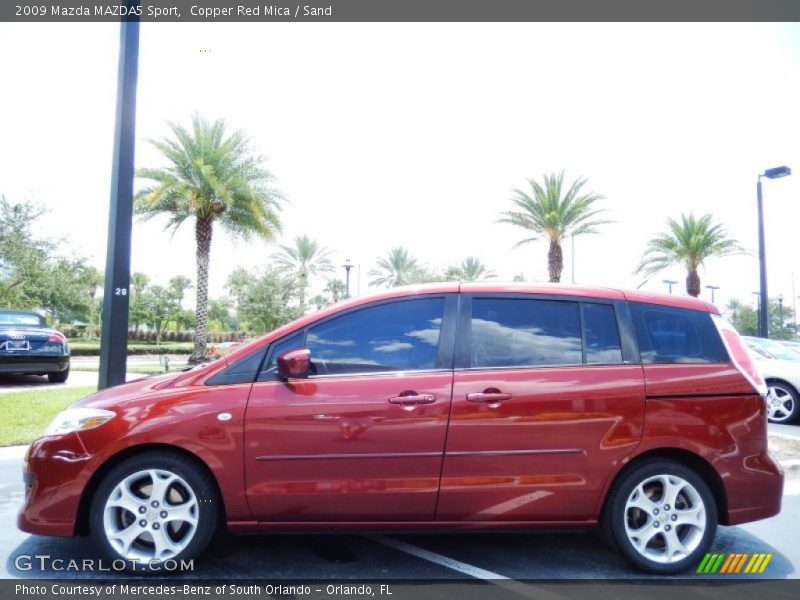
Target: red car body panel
334, 453
337, 449
544, 454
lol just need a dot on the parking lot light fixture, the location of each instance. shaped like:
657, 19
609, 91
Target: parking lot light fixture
763, 311
670, 283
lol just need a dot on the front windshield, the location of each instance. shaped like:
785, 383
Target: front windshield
780, 351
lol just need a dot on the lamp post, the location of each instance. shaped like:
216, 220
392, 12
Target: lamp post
670, 283
347, 266
713, 288
780, 313
763, 311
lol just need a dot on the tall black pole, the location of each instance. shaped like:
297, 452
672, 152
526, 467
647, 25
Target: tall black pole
763, 303
114, 337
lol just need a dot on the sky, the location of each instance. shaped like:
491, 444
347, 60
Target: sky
398, 134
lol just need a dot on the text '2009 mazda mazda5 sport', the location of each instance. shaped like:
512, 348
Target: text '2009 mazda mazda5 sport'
449, 407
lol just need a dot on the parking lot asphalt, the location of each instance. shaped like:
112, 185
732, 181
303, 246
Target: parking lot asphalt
387, 556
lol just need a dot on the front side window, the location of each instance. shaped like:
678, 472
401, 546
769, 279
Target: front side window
270, 368
510, 332
395, 336
676, 335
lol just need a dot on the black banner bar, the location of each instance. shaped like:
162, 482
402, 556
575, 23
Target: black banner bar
158, 588
401, 10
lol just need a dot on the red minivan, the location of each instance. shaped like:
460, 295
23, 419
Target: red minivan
456, 406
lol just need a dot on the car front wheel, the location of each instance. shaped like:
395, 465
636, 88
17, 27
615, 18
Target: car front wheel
661, 516
153, 508
781, 402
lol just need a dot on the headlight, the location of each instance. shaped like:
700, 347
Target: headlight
78, 419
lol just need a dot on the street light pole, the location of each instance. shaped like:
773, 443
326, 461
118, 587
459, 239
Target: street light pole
670, 283
763, 315
347, 266
763, 311
713, 288
780, 313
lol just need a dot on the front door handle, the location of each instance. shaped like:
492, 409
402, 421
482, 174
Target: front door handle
413, 398
488, 396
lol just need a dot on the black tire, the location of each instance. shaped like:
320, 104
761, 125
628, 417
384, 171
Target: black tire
787, 393
59, 377
615, 516
207, 510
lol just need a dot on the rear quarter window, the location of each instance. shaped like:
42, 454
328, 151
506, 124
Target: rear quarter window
676, 335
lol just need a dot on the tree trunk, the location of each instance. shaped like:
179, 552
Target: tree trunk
555, 262
693, 283
203, 231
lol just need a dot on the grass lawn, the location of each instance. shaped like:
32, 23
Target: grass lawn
25, 415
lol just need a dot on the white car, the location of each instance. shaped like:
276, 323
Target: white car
780, 368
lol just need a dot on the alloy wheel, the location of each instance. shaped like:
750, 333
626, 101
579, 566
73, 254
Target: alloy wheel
665, 518
151, 515
780, 403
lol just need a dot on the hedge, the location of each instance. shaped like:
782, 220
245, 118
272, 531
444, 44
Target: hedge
79, 349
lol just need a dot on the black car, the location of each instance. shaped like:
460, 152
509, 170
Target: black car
28, 346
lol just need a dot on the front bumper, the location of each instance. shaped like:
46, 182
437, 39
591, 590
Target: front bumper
33, 363
55, 473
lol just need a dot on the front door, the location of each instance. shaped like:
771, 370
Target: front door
362, 438
543, 407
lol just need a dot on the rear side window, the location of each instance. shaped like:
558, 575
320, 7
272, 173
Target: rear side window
395, 336
676, 335
601, 334
512, 332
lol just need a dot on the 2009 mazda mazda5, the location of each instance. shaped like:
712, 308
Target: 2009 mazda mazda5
446, 407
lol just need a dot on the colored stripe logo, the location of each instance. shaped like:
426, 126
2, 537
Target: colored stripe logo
734, 562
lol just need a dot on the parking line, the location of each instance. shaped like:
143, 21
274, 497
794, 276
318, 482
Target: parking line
502, 581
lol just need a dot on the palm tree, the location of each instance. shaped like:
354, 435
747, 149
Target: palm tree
213, 178
470, 269
336, 288
398, 268
551, 211
302, 260
689, 243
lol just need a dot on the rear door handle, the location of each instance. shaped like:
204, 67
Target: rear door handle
413, 398
489, 396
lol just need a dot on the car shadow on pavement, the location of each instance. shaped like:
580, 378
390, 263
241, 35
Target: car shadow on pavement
521, 556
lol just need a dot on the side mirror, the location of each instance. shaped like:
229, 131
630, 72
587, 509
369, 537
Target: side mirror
294, 364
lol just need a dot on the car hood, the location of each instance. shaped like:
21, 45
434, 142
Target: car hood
119, 394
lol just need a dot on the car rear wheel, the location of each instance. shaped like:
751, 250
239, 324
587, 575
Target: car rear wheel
59, 377
661, 516
781, 402
153, 508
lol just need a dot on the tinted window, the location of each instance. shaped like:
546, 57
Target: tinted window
396, 336
601, 334
676, 335
517, 332
242, 371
